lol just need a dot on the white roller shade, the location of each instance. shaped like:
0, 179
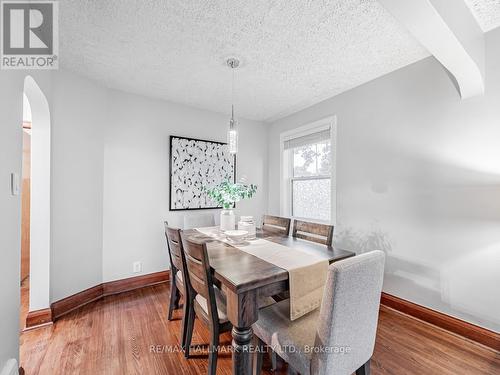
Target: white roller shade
308, 139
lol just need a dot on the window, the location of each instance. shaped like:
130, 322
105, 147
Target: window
310, 182
308, 167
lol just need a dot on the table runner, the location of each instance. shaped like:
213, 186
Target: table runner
307, 273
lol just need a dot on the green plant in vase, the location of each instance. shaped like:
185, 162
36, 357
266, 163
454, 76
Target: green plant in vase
227, 194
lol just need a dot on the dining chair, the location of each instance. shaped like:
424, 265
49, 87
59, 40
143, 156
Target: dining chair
199, 221
276, 224
315, 232
208, 301
339, 337
178, 277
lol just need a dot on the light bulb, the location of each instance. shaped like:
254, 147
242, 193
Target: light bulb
232, 141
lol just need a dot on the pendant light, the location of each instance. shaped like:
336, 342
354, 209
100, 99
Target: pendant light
232, 134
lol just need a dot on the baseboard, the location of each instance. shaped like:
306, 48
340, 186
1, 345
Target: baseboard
471, 331
38, 318
125, 285
80, 299
68, 304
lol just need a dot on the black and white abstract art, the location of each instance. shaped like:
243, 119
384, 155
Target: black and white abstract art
197, 164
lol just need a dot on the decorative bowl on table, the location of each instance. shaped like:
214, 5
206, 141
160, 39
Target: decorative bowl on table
236, 236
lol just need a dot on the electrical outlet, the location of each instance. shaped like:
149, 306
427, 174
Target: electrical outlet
137, 267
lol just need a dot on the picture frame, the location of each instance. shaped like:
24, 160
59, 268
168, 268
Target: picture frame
196, 164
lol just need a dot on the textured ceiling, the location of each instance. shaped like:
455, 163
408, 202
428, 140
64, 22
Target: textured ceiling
294, 52
487, 13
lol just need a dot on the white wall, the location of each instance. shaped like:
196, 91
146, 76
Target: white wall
79, 116
11, 111
418, 176
136, 176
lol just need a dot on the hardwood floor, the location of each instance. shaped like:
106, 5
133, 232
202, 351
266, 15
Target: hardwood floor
129, 334
25, 301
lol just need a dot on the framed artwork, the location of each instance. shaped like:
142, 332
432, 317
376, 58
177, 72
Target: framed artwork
197, 164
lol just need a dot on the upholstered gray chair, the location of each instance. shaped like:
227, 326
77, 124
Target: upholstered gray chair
338, 338
199, 221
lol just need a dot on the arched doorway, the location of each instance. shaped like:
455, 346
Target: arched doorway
39, 201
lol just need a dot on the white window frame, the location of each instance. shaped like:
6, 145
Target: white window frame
286, 167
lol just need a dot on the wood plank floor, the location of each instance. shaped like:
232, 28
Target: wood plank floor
25, 297
116, 336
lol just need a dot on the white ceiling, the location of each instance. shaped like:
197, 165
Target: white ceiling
487, 13
294, 52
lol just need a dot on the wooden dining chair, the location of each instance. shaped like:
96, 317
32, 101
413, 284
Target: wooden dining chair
337, 338
276, 224
315, 232
208, 301
178, 277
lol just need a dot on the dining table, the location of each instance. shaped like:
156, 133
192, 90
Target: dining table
246, 278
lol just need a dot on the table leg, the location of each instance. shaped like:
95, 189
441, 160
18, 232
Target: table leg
242, 359
242, 312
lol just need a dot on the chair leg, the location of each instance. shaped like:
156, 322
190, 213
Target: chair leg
258, 356
274, 360
185, 318
174, 291
177, 298
213, 350
189, 329
364, 370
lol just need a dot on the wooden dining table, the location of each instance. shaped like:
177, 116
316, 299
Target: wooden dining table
244, 278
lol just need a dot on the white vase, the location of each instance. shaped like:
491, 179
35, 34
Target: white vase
227, 220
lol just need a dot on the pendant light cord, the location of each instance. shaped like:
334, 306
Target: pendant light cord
232, 96
233, 63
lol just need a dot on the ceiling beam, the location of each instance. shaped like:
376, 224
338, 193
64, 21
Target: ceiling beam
449, 31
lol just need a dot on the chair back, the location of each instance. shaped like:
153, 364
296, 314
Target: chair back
175, 250
200, 279
276, 224
349, 314
199, 221
315, 232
